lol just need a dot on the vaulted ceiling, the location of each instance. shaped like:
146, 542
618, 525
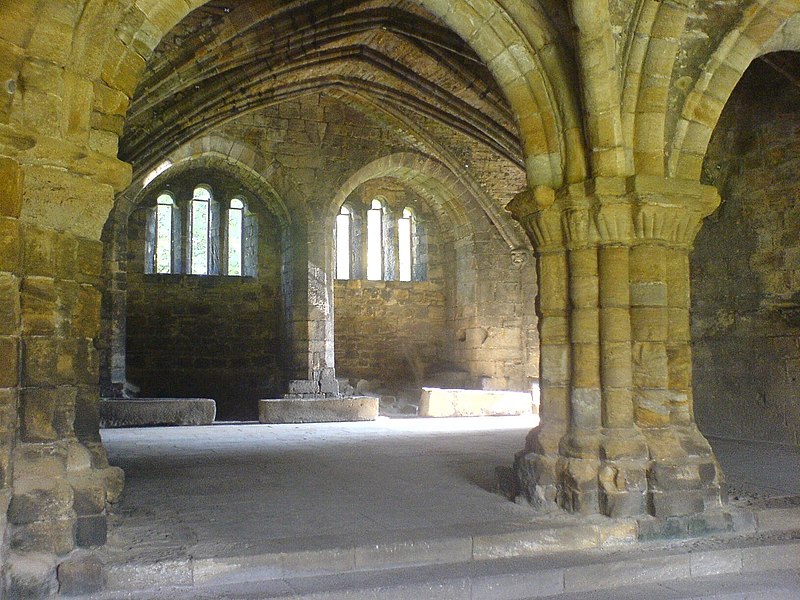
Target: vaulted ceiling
391, 59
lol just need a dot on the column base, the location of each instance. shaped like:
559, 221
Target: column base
667, 472
58, 503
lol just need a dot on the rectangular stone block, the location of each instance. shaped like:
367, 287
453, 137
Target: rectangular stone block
40, 499
38, 407
67, 257
11, 182
318, 410
39, 310
39, 251
91, 531
10, 245
9, 362
438, 402
79, 575
649, 293
679, 503
40, 356
89, 496
90, 261
303, 386
146, 412
649, 324
86, 322
54, 536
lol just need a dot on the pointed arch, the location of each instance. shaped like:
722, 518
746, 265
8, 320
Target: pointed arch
769, 27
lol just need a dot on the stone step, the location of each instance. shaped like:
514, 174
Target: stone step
600, 550
587, 574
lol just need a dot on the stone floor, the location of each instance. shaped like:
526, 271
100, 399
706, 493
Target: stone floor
239, 490
236, 487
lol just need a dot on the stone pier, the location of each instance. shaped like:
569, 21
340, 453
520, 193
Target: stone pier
617, 435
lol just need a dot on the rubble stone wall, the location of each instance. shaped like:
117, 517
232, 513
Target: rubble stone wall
746, 268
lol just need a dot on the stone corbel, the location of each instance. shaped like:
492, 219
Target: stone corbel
534, 209
519, 257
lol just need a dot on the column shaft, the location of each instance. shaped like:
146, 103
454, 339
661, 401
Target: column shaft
615, 337
585, 337
649, 328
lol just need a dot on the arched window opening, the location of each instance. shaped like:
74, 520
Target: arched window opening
156, 172
406, 226
375, 241
162, 259
343, 243
235, 236
200, 217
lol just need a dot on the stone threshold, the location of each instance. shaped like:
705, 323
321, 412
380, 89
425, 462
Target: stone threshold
601, 552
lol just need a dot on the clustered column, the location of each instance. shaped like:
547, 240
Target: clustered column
616, 358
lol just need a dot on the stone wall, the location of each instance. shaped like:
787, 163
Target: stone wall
391, 331
496, 325
746, 268
208, 336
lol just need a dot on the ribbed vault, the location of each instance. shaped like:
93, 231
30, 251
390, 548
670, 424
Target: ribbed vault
211, 68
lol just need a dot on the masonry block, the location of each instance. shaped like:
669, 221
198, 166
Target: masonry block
319, 410
80, 574
10, 245
39, 499
9, 362
89, 495
145, 412
91, 531
438, 402
677, 503
56, 536
31, 576
11, 182
38, 408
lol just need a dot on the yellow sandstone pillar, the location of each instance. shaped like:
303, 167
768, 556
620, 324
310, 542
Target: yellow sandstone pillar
616, 350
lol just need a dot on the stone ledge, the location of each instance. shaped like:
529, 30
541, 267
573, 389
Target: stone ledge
440, 402
147, 412
318, 410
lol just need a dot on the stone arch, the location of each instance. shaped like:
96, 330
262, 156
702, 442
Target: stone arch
424, 174
115, 247
455, 208
517, 43
772, 26
649, 60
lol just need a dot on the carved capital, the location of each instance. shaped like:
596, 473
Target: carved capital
614, 211
535, 210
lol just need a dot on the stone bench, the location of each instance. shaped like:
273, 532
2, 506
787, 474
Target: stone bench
147, 412
318, 410
440, 402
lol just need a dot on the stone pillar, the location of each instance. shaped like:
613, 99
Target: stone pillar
309, 299
54, 475
538, 465
616, 359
